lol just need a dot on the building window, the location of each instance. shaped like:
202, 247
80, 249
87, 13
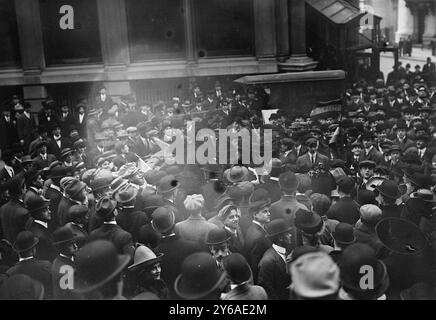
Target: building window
70, 46
155, 29
224, 28
10, 50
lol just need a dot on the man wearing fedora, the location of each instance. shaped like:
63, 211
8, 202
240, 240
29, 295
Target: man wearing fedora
419, 210
288, 205
28, 264
238, 271
110, 230
128, 217
173, 247
66, 246
74, 193
43, 159
99, 269
78, 216
310, 227
273, 276
13, 214
39, 211
145, 271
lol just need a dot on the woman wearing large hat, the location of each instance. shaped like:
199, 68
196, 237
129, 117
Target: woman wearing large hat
145, 275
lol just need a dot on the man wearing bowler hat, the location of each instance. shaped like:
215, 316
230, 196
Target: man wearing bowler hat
355, 257
99, 269
174, 248
388, 198
273, 276
28, 264
238, 271
343, 237
39, 209
199, 278
110, 230
74, 193
63, 265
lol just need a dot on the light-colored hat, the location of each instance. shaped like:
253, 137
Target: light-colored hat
144, 257
194, 202
370, 213
315, 275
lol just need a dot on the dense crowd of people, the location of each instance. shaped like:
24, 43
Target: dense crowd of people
90, 209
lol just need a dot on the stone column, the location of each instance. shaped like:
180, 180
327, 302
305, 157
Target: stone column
265, 29
405, 21
191, 55
298, 61
282, 27
430, 27
113, 33
30, 36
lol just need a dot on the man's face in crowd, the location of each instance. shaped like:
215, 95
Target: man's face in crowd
263, 216
312, 148
220, 251
420, 144
286, 240
43, 149
232, 220
366, 172
367, 143
57, 132
45, 215
356, 150
401, 133
381, 136
395, 156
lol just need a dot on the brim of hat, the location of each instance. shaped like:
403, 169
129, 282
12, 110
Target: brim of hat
117, 197
67, 153
381, 281
119, 187
396, 196
171, 225
73, 239
35, 242
259, 204
245, 173
346, 242
159, 190
46, 205
311, 228
219, 242
408, 224
100, 187
278, 233
415, 195
184, 290
82, 287
143, 264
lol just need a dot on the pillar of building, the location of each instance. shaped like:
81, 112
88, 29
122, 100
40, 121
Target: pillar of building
30, 36
430, 27
405, 21
282, 28
298, 60
113, 33
265, 29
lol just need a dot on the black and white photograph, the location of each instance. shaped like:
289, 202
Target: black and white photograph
233, 151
